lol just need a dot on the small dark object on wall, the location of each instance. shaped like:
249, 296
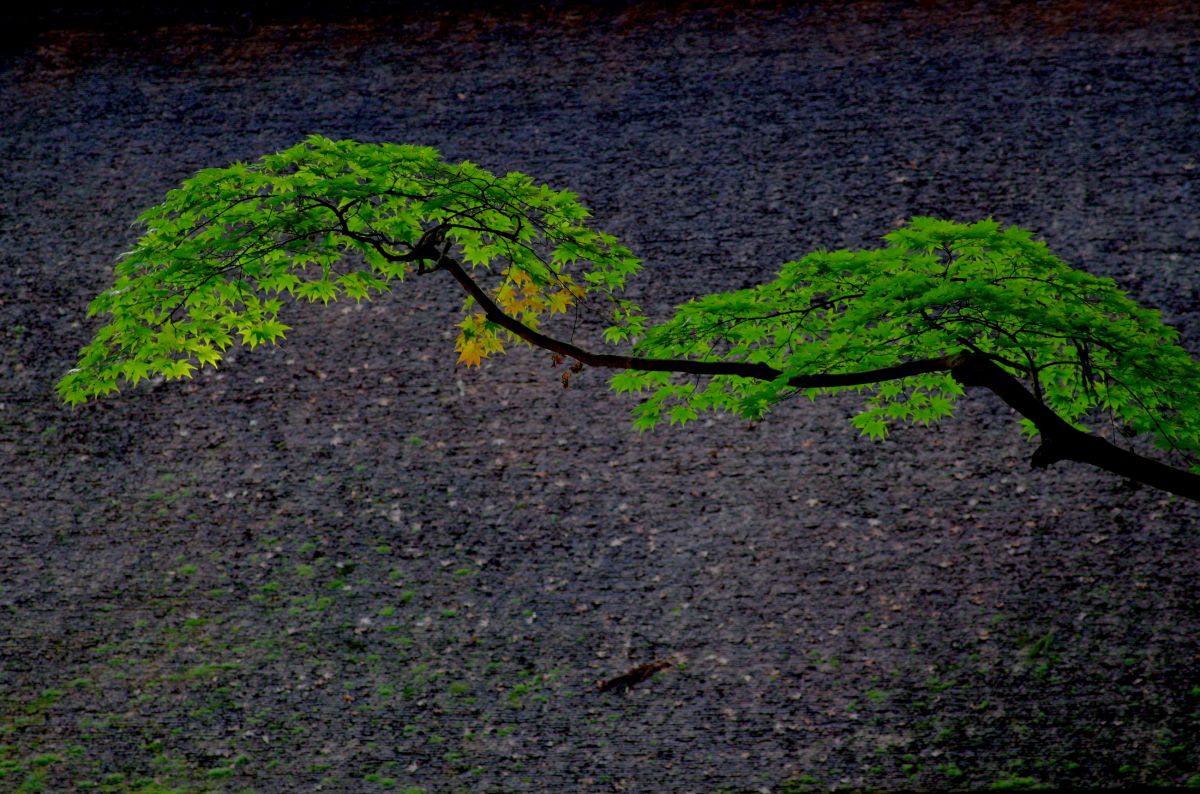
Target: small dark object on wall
633, 676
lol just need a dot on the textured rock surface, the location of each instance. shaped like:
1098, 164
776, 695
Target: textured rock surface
346, 564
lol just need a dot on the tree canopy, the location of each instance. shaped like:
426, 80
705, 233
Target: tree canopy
942, 306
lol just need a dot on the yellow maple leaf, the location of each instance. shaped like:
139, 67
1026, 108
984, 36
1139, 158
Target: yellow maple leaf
490, 342
506, 296
470, 352
477, 340
560, 301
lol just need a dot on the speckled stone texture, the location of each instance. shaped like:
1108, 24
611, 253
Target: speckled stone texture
347, 565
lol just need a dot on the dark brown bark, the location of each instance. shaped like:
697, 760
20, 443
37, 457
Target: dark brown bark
1060, 440
685, 366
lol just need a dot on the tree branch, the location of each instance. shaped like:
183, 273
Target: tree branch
686, 366
1060, 440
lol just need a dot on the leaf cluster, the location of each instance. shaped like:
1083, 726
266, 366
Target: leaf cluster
325, 220
937, 289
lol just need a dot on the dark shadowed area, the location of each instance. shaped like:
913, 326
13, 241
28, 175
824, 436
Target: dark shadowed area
347, 565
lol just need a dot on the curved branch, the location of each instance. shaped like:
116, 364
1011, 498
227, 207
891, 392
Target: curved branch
739, 368
1060, 440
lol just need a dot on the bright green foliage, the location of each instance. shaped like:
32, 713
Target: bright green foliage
326, 219
938, 288
320, 221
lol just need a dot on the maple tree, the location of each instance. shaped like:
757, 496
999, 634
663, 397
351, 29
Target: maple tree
942, 307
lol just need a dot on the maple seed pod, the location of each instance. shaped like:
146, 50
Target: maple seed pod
566, 380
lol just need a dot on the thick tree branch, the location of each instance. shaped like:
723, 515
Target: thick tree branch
1060, 440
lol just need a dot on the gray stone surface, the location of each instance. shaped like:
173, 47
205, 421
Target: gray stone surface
344, 564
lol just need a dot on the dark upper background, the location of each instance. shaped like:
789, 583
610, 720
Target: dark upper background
414, 571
